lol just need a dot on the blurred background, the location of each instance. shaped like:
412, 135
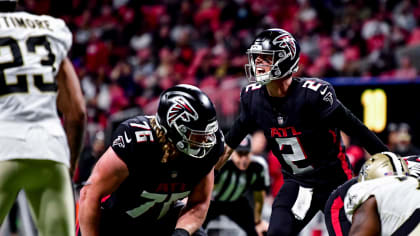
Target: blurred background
126, 52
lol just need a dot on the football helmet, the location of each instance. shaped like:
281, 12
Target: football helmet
280, 52
188, 118
381, 165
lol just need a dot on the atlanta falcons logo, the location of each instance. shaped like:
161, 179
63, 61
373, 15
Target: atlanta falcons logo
286, 41
180, 109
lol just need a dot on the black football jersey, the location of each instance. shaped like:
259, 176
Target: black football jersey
152, 187
308, 148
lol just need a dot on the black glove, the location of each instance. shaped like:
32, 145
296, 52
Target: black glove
180, 232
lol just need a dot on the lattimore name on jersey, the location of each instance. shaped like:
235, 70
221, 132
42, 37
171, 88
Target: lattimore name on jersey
24, 23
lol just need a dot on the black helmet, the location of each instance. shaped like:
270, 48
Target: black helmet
281, 48
188, 117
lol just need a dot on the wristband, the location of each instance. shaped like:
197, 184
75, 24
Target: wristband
180, 232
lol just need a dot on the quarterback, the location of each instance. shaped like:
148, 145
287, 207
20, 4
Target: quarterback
301, 119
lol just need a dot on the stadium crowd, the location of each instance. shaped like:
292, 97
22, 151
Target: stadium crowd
127, 52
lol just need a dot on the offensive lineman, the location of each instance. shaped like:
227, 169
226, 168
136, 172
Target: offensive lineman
36, 153
153, 162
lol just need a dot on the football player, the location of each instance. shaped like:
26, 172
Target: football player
386, 200
153, 162
301, 119
36, 78
243, 173
335, 215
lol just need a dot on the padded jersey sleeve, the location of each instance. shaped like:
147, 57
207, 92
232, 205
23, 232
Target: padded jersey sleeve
60, 38
326, 100
132, 139
356, 196
122, 143
61, 32
362, 191
243, 124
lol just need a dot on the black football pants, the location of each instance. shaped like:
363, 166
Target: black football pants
282, 220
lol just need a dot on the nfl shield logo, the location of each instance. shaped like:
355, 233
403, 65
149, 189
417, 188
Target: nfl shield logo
174, 174
281, 120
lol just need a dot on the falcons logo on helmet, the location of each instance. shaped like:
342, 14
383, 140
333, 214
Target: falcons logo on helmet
180, 109
286, 41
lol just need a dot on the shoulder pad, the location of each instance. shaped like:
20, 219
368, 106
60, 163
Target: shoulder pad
140, 128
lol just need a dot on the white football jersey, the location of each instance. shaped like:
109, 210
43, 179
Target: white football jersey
32, 48
398, 201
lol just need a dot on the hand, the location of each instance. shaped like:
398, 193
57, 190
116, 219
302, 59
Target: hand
224, 157
261, 227
180, 232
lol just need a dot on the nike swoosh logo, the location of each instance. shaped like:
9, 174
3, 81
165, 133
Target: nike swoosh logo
324, 91
126, 138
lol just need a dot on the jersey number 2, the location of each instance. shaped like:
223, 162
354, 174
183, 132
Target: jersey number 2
21, 84
293, 155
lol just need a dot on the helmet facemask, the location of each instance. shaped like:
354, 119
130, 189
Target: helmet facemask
259, 71
271, 69
196, 143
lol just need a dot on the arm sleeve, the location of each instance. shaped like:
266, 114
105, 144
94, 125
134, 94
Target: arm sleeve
121, 146
242, 125
357, 195
345, 120
61, 39
326, 101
